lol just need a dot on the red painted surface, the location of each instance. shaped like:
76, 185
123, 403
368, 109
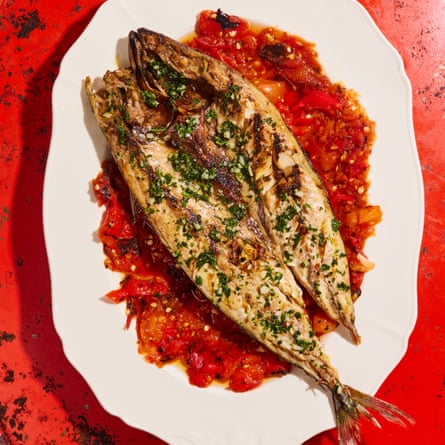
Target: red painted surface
43, 400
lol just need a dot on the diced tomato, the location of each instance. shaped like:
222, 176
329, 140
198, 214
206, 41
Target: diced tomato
273, 89
214, 24
249, 374
322, 323
134, 287
317, 98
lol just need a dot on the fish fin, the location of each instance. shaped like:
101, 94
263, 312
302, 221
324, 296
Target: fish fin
351, 405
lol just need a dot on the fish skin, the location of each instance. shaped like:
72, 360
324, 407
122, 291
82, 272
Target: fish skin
241, 271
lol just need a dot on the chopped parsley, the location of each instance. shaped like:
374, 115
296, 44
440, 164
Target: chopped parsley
206, 257
196, 193
199, 178
122, 133
149, 98
296, 239
186, 128
174, 83
335, 224
189, 169
288, 257
230, 99
343, 286
226, 134
223, 281
210, 115
189, 227
230, 225
273, 275
283, 220
277, 324
242, 169
238, 211
268, 120
157, 185
303, 344
214, 235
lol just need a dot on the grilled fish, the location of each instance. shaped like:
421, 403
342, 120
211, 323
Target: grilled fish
243, 127
215, 170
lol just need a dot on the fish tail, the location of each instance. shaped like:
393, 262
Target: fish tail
352, 405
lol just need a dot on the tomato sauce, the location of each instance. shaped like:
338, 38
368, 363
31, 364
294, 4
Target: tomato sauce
174, 321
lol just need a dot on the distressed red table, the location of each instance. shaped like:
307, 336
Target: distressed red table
43, 400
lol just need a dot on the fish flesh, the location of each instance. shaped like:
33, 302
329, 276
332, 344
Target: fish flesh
229, 191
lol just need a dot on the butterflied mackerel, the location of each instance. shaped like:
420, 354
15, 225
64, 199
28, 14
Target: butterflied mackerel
230, 193
244, 128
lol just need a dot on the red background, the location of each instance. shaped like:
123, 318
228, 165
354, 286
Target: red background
43, 400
